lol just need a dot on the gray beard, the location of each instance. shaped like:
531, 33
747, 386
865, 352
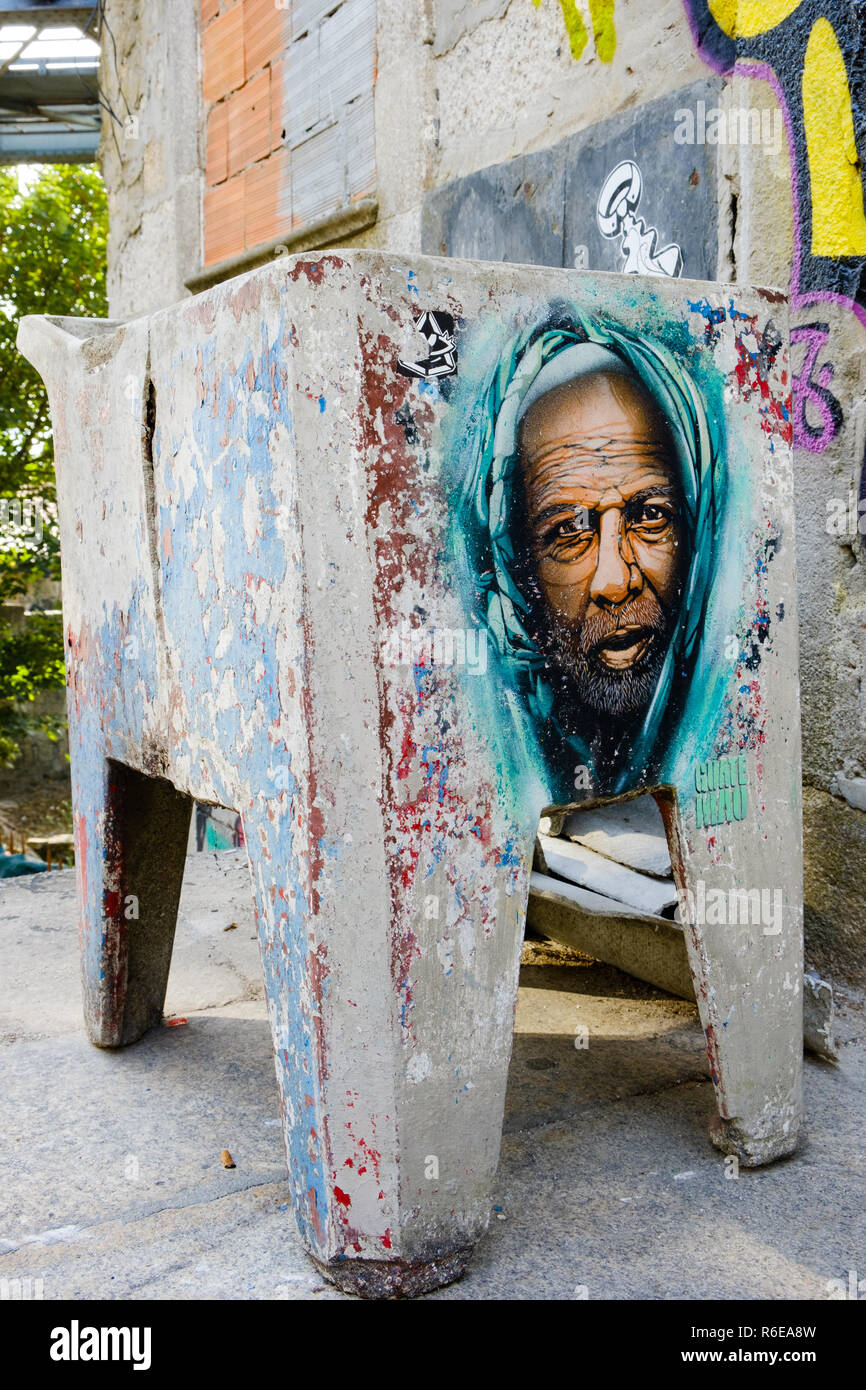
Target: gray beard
618, 695
587, 684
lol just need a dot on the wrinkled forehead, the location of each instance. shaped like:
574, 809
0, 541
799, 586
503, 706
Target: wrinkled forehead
592, 412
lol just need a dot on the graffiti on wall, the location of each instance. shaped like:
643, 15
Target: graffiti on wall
813, 400
597, 497
437, 330
810, 52
616, 214
601, 21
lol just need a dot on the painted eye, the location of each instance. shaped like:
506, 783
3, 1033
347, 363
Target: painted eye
571, 529
568, 536
652, 517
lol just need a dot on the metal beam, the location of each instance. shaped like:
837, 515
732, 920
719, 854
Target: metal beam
63, 13
7, 62
47, 146
64, 86
21, 116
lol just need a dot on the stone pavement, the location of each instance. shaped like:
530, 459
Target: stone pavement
112, 1185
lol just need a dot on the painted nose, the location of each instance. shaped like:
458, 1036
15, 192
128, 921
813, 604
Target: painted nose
616, 574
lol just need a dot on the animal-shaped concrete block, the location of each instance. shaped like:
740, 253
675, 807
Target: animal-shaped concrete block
389, 555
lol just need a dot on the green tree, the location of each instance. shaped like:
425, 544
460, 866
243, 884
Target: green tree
53, 234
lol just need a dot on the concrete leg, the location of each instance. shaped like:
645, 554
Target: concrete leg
391, 1070
744, 939
131, 846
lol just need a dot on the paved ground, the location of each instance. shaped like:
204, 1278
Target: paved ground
111, 1184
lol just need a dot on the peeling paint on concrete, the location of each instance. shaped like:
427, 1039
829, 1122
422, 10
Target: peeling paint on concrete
229, 581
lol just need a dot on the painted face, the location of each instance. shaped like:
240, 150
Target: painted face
603, 508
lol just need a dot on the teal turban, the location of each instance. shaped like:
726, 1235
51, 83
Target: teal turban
484, 453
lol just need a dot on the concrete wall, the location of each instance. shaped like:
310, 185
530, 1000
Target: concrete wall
152, 154
496, 122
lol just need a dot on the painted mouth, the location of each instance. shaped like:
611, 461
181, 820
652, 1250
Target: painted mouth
624, 647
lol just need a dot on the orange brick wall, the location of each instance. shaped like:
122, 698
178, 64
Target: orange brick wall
288, 109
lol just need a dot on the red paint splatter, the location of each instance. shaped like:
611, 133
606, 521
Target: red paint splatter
314, 271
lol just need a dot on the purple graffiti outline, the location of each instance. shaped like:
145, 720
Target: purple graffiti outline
764, 73
806, 388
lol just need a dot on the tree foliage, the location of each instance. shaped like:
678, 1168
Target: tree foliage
53, 234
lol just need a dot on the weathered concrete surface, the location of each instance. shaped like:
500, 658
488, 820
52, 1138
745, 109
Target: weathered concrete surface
456, 18
819, 1011
834, 841
461, 84
465, 86
113, 1186
253, 498
509, 212
153, 153
540, 208
512, 85
828, 481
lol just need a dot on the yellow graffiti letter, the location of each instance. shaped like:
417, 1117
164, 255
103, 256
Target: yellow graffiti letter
838, 224
603, 31
577, 35
743, 19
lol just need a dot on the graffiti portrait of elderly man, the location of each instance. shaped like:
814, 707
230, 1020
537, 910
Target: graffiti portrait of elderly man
592, 494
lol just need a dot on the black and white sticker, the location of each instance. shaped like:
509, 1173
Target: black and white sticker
438, 330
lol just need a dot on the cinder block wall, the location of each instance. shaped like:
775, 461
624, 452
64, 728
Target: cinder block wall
496, 123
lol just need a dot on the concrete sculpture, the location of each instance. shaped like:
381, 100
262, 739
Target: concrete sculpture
388, 555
